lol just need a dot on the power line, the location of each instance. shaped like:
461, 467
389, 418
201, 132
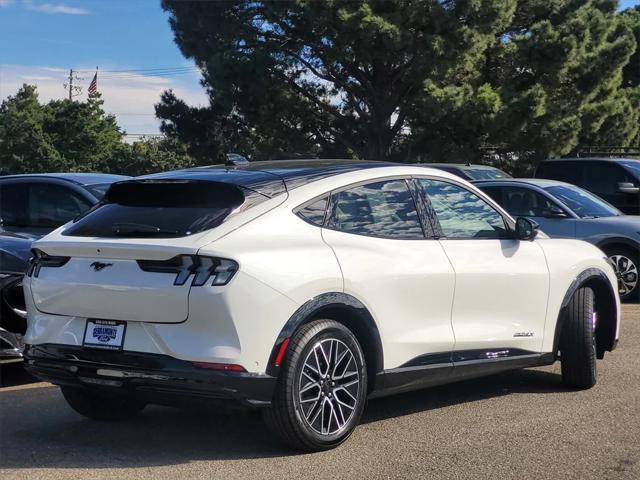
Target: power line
143, 69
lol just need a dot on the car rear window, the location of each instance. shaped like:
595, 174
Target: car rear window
157, 209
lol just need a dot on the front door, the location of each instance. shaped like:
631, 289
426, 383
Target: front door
502, 284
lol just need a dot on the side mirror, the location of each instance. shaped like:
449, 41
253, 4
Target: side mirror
554, 211
526, 229
627, 187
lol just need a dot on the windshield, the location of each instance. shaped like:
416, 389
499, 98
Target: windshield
98, 190
485, 173
634, 166
583, 203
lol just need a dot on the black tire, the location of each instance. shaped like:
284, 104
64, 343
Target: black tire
626, 263
577, 343
100, 406
295, 410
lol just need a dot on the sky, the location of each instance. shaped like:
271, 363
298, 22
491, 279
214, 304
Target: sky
40, 40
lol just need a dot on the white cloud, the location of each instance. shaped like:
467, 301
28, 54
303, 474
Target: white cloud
5, 3
53, 8
129, 97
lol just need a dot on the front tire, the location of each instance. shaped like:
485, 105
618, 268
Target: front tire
321, 389
98, 406
578, 343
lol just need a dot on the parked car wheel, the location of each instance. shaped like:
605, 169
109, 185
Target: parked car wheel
98, 406
578, 342
626, 264
321, 390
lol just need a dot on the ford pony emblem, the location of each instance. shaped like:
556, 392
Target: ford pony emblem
97, 266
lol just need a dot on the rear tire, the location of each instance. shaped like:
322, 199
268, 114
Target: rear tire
100, 406
321, 389
578, 343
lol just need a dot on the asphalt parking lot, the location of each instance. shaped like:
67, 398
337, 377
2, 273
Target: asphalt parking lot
516, 425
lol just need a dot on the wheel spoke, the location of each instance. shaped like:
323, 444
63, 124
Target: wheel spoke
309, 386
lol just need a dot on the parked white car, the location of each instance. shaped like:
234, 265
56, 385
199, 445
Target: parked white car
304, 288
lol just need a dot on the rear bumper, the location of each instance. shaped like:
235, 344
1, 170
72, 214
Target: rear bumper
154, 378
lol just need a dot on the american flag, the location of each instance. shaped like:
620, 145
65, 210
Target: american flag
93, 86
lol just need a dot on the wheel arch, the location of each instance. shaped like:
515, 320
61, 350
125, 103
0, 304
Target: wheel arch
605, 306
342, 308
616, 242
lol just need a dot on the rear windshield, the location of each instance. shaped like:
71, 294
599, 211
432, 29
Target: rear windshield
157, 209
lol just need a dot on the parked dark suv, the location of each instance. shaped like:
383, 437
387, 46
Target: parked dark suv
617, 180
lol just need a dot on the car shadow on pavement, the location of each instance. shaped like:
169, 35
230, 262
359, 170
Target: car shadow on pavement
40, 431
518, 381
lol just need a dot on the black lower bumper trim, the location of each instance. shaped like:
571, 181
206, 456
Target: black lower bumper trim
155, 378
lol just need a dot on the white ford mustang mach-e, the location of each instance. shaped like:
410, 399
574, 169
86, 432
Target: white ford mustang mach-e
304, 288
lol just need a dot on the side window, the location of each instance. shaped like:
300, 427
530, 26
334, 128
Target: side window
314, 212
602, 177
14, 204
382, 209
53, 205
461, 213
522, 202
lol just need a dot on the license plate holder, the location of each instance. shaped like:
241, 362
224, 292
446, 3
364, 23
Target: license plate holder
104, 334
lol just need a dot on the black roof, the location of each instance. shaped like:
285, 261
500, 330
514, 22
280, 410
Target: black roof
269, 178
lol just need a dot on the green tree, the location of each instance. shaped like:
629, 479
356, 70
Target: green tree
24, 144
337, 76
403, 79
85, 137
151, 156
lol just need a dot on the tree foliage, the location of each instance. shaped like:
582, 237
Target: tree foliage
403, 79
65, 135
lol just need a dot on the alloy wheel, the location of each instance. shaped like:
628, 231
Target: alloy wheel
627, 273
329, 387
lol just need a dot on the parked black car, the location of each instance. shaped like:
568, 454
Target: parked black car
470, 171
14, 254
32, 206
616, 180
36, 204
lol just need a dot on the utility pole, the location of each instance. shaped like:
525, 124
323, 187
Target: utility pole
70, 83
74, 90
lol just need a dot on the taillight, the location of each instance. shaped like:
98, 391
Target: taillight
41, 259
203, 269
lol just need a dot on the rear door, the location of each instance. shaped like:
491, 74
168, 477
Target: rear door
392, 264
502, 284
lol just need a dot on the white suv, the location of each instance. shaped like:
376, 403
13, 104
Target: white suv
304, 288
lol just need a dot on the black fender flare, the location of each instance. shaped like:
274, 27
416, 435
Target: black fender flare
606, 307
314, 309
